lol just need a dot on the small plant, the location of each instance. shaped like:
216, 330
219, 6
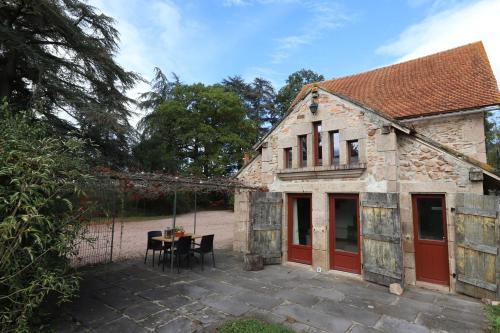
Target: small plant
493, 315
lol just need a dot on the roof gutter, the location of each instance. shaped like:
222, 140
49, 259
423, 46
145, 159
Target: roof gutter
452, 114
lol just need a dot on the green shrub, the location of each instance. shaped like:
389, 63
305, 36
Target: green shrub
493, 315
252, 326
39, 177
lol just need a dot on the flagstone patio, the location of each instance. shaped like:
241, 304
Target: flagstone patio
130, 296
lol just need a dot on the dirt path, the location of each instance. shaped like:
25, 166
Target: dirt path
134, 234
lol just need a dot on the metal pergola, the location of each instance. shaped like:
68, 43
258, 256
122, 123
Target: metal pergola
156, 184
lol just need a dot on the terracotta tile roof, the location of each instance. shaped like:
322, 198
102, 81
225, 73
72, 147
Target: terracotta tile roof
456, 79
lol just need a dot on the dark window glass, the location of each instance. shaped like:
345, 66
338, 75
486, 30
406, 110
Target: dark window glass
334, 146
288, 158
303, 150
346, 227
430, 218
301, 221
318, 150
353, 149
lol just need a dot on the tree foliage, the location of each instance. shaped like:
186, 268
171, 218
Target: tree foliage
258, 98
161, 90
201, 130
57, 57
38, 223
294, 83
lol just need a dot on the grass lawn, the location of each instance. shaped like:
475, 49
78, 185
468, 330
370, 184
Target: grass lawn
252, 326
493, 315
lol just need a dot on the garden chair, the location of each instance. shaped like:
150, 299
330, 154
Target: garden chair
182, 249
153, 245
206, 246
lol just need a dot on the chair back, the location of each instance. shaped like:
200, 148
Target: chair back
207, 243
184, 245
154, 244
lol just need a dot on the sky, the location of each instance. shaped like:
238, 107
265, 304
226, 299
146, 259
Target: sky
209, 40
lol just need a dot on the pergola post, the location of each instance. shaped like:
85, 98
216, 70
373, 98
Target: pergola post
173, 231
195, 198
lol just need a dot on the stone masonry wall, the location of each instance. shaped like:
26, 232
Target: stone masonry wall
464, 133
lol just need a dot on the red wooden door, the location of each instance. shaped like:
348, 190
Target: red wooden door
300, 228
431, 241
344, 233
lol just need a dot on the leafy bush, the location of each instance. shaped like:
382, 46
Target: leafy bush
39, 181
252, 326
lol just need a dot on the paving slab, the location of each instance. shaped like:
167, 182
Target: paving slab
395, 325
226, 304
121, 325
363, 316
442, 323
142, 310
329, 323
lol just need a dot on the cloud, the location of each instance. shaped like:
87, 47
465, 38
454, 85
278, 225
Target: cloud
320, 18
448, 28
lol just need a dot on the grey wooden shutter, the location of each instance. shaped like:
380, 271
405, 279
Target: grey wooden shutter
477, 242
381, 232
265, 225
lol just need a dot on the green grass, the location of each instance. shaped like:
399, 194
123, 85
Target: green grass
252, 326
493, 315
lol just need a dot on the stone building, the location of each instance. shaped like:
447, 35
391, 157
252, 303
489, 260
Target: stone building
382, 175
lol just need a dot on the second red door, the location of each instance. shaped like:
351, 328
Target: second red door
344, 233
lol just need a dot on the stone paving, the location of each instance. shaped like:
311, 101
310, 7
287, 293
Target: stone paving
129, 296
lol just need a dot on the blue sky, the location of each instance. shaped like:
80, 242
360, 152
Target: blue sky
208, 40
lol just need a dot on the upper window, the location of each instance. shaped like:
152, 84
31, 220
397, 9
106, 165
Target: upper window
334, 147
303, 150
353, 151
318, 145
288, 158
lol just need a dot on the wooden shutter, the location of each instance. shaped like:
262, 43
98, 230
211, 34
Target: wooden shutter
476, 245
265, 225
381, 232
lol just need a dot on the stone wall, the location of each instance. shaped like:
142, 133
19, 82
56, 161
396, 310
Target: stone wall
241, 221
464, 133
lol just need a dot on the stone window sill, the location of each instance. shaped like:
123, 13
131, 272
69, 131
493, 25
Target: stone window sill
323, 172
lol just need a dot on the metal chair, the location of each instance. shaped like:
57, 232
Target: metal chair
153, 245
182, 249
206, 246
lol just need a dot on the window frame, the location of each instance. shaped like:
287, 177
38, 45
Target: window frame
301, 151
332, 147
318, 144
349, 152
288, 158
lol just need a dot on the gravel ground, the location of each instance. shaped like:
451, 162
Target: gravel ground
134, 234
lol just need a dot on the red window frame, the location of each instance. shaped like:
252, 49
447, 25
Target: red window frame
302, 138
317, 140
332, 148
288, 161
349, 151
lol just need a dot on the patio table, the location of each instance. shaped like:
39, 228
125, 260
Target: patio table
169, 239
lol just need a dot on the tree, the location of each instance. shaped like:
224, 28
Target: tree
200, 130
161, 90
57, 57
258, 98
39, 225
294, 83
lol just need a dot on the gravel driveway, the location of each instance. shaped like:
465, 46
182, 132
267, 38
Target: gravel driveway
134, 237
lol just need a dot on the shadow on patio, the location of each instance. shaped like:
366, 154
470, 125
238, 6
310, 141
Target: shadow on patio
130, 296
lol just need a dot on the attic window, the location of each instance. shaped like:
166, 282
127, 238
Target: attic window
303, 150
318, 145
353, 151
288, 158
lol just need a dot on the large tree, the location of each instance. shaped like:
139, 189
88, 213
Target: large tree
57, 57
161, 90
294, 83
200, 130
258, 98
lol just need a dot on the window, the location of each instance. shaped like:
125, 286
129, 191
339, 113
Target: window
318, 145
334, 147
430, 218
288, 158
353, 151
303, 150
